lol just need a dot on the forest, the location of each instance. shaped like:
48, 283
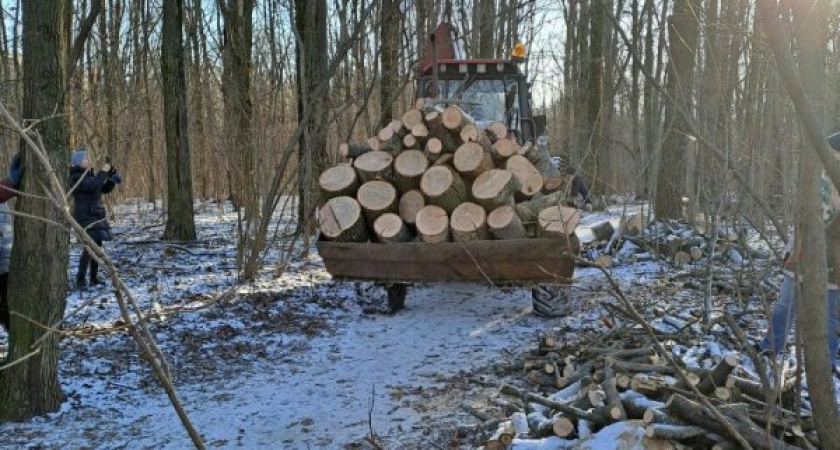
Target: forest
677, 156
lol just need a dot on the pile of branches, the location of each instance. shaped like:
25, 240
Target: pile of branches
570, 392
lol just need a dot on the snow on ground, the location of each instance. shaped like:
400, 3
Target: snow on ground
291, 362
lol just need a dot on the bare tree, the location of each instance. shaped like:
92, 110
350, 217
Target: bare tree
180, 224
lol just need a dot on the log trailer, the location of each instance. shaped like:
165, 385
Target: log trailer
490, 91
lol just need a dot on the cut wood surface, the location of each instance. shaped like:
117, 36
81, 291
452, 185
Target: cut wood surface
337, 181
377, 198
504, 148
389, 140
390, 228
454, 118
496, 131
432, 224
436, 129
375, 165
558, 221
472, 133
409, 167
495, 188
529, 210
504, 223
434, 149
410, 203
468, 223
443, 187
412, 118
410, 142
529, 177
341, 220
471, 160
420, 132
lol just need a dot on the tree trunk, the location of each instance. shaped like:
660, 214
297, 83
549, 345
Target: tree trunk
390, 45
504, 223
376, 165
471, 161
468, 223
495, 188
410, 203
528, 175
341, 220
338, 181
409, 167
376, 199
180, 225
432, 224
443, 187
391, 229
38, 285
682, 36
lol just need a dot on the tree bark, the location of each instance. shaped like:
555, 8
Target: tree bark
37, 284
504, 223
180, 224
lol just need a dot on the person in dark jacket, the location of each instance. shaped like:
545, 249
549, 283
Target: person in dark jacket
87, 188
7, 191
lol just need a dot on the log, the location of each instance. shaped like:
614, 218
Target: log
611, 392
717, 377
398, 127
340, 180
505, 224
410, 203
409, 168
494, 188
529, 177
561, 184
534, 398
529, 210
592, 398
471, 160
540, 157
504, 149
497, 131
673, 432
410, 142
421, 133
659, 415
377, 198
434, 149
563, 427
341, 220
603, 231
747, 387
437, 130
454, 119
443, 187
375, 165
373, 142
389, 141
390, 228
432, 224
472, 133
468, 223
634, 367
636, 405
412, 118
557, 221
651, 385
697, 414
348, 150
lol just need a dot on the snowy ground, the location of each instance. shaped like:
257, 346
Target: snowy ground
291, 362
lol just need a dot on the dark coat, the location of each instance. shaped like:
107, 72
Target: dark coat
88, 208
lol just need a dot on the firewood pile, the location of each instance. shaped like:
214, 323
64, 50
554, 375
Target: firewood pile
669, 240
570, 392
436, 176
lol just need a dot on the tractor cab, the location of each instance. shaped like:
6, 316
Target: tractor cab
489, 90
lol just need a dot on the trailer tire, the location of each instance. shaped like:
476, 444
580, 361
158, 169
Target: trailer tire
552, 300
380, 298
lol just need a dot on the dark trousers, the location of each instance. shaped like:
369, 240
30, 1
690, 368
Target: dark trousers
86, 261
4, 300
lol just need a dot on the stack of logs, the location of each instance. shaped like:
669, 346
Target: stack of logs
436, 176
628, 381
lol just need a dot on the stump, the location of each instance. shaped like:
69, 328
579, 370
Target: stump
471, 161
338, 181
505, 224
432, 224
410, 203
408, 169
528, 175
468, 223
558, 221
341, 220
494, 188
390, 228
443, 187
377, 198
374, 165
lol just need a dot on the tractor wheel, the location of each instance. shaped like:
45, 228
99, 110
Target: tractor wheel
551, 300
381, 298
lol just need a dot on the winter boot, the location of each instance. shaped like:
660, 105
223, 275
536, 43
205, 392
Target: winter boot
94, 274
81, 274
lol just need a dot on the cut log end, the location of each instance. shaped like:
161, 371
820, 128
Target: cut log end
341, 220
433, 224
